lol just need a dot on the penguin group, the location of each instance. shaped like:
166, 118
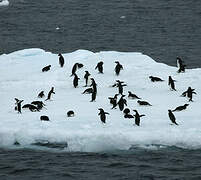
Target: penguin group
118, 101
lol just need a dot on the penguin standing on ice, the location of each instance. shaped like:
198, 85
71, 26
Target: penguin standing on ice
61, 60
18, 105
189, 93
75, 80
74, 69
118, 68
102, 115
122, 102
180, 65
137, 117
120, 86
172, 117
171, 83
93, 95
50, 94
100, 67
94, 85
86, 77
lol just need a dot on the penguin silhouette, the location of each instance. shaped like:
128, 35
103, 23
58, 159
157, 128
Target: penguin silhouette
100, 67
171, 83
102, 115
172, 117
19, 105
75, 80
50, 94
118, 68
41, 94
137, 117
86, 77
61, 60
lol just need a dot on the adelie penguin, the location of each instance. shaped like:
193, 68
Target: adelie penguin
100, 67
46, 68
41, 94
113, 101
86, 77
75, 80
70, 113
31, 107
132, 96
143, 103
180, 108
18, 105
172, 117
189, 93
171, 83
61, 60
39, 104
93, 85
120, 86
127, 114
118, 68
74, 69
122, 102
93, 96
44, 118
155, 79
180, 65
50, 94
102, 115
137, 117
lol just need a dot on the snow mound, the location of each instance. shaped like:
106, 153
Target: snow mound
4, 3
21, 77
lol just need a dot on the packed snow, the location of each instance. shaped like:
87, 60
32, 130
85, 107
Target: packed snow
21, 77
4, 3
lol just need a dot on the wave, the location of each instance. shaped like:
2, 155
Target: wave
21, 77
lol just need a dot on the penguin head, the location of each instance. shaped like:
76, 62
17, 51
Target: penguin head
59, 54
100, 109
169, 110
186, 105
150, 77
135, 110
117, 62
129, 92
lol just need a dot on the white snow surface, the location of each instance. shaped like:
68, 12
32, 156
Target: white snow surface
4, 3
21, 77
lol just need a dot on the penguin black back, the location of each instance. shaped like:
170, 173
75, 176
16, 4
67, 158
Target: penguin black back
75, 80
41, 94
61, 60
86, 77
50, 93
46, 68
102, 115
100, 67
172, 117
171, 83
118, 68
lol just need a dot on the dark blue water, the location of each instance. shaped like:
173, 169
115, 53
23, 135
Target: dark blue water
162, 29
